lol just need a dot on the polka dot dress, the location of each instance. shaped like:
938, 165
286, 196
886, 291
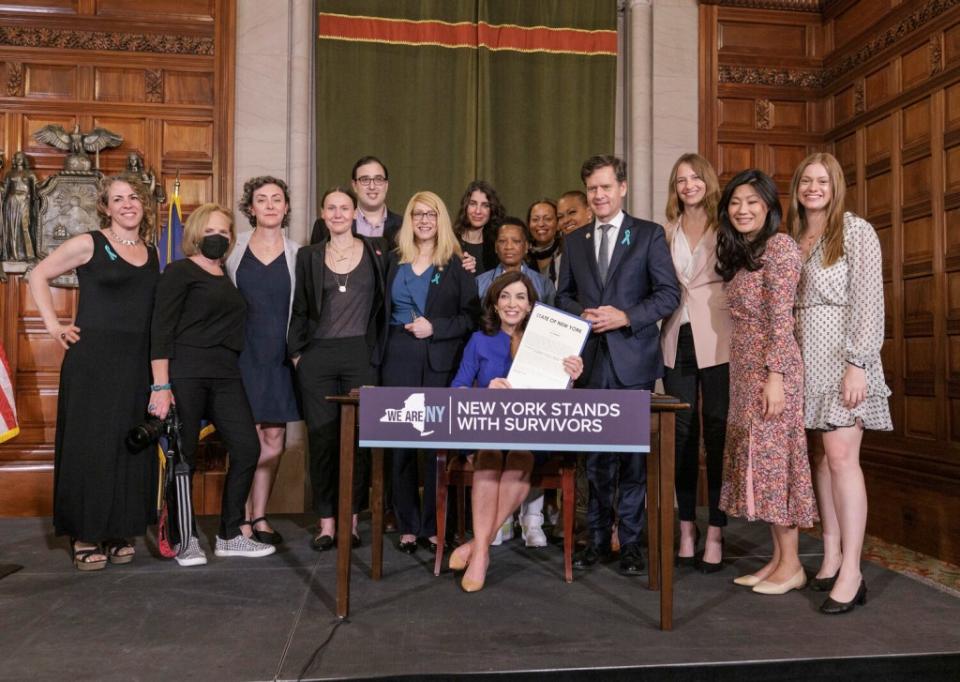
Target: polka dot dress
839, 320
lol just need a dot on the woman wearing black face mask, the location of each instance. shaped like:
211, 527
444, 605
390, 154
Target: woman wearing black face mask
197, 335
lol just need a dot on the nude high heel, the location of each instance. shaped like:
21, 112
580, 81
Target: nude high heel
797, 582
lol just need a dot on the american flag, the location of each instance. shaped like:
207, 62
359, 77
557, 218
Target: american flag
8, 411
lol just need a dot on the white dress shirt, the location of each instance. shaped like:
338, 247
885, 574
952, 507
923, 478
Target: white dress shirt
612, 235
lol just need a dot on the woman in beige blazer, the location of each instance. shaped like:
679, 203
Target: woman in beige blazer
695, 341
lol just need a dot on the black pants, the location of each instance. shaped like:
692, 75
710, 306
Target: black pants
406, 364
609, 471
224, 403
688, 382
332, 367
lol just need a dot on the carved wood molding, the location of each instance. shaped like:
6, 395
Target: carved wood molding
14, 79
814, 6
763, 114
765, 75
154, 81
817, 79
19, 36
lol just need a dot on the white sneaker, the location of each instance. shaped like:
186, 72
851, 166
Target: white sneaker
194, 556
498, 538
242, 546
531, 528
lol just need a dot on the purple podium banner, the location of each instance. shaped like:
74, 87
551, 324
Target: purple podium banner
505, 419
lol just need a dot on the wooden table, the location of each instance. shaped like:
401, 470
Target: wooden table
660, 497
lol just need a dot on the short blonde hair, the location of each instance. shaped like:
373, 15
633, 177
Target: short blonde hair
197, 222
446, 246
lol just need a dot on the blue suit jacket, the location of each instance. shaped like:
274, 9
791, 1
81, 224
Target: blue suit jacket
641, 281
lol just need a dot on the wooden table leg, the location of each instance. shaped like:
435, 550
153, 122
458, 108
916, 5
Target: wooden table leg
667, 465
348, 420
376, 512
654, 503
569, 502
441, 507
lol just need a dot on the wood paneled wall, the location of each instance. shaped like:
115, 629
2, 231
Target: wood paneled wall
161, 73
878, 83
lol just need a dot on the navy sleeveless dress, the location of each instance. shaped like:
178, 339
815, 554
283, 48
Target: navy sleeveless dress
267, 373
101, 490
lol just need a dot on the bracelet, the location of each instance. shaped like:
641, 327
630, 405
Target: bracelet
160, 387
853, 364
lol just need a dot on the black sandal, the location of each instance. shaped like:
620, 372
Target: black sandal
113, 548
269, 537
81, 557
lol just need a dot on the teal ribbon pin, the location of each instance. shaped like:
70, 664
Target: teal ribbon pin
626, 238
110, 252
436, 279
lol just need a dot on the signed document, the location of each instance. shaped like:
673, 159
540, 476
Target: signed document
551, 335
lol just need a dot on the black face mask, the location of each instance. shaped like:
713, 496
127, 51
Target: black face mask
213, 246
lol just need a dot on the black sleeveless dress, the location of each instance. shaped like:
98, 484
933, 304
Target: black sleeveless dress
102, 491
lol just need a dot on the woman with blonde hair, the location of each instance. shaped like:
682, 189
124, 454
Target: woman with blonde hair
839, 312
196, 339
103, 494
695, 341
431, 308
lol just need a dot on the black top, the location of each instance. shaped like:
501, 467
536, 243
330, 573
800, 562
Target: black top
349, 299
198, 322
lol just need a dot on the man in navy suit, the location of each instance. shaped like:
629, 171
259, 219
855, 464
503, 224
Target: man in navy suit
617, 273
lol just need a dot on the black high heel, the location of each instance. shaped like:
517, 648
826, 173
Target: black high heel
823, 584
833, 607
691, 561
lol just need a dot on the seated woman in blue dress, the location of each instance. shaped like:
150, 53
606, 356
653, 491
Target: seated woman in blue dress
500, 481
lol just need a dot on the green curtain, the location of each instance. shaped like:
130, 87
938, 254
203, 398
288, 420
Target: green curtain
516, 92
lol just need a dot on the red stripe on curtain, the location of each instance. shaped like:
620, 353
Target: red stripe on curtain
466, 34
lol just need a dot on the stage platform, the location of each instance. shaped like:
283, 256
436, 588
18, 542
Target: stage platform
264, 619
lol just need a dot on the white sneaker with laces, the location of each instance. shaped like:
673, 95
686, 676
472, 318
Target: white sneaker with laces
531, 528
193, 556
242, 546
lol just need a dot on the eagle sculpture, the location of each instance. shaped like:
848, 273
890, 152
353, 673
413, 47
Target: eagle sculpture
78, 144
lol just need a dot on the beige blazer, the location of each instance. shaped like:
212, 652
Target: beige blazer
703, 294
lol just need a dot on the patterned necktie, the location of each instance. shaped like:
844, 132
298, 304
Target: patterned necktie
603, 260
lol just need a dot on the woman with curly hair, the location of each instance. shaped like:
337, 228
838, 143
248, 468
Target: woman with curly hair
102, 493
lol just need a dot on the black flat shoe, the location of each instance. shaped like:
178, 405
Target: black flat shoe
356, 541
322, 543
268, 537
687, 561
832, 607
823, 584
407, 547
586, 558
709, 566
631, 561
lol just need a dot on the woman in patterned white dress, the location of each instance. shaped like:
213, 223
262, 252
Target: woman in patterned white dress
839, 313
766, 473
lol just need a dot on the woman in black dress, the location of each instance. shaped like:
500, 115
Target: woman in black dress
432, 307
476, 226
196, 337
261, 265
334, 330
103, 493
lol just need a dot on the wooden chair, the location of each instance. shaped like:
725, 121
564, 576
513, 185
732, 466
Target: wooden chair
557, 473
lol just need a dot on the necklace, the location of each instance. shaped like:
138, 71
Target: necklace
342, 288
120, 240
340, 253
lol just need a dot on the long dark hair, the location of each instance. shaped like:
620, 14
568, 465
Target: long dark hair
734, 250
497, 212
489, 319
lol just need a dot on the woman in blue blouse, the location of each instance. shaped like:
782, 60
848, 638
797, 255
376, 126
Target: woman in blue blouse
500, 482
431, 306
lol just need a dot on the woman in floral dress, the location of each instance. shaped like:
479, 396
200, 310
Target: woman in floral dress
840, 329
766, 472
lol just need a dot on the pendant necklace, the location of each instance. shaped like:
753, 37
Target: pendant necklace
120, 240
342, 288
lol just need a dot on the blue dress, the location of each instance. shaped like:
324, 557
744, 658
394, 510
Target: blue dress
267, 373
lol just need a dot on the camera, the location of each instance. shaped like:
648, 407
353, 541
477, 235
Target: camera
151, 430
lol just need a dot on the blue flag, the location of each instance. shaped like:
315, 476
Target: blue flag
172, 235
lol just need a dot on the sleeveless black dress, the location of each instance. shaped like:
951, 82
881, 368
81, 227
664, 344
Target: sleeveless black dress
102, 491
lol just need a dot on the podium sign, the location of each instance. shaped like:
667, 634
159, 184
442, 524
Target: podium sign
505, 419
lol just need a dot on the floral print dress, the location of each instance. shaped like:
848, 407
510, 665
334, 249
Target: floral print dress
766, 473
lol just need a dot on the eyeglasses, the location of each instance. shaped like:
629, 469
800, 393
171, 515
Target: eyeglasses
375, 181
429, 216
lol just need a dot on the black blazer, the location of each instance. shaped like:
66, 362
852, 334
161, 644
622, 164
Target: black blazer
453, 309
390, 228
641, 281
308, 294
